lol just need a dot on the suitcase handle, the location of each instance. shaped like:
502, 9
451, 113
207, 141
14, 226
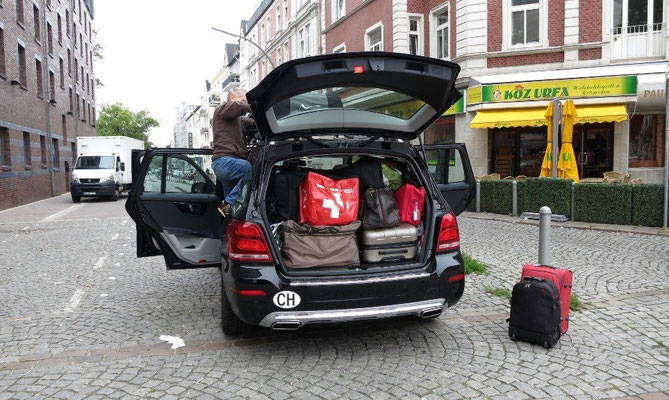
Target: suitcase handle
534, 278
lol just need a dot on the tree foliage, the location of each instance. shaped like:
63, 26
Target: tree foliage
118, 120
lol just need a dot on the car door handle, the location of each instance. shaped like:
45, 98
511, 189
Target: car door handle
193, 208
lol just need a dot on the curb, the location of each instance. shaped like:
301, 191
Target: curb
642, 230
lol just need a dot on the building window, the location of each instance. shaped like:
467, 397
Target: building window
374, 38
19, 11
78, 113
3, 68
86, 53
69, 62
61, 72
40, 84
38, 35
285, 11
52, 86
307, 38
64, 124
278, 56
76, 70
525, 15
268, 33
27, 153
82, 77
48, 4
441, 32
300, 43
88, 84
71, 101
83, 110
49, 38
5, 155
80, 12
56, 153
646, 135
67, 22
89, 114
74, 30
338, 9
23, 78
81, 45
60, 30
339, 49
285, 52
95, 119
278, 17
73, 151
416, 35
42, 150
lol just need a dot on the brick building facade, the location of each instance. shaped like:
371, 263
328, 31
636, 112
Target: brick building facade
47, 95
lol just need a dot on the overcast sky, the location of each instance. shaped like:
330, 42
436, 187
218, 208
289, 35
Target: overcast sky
157, 53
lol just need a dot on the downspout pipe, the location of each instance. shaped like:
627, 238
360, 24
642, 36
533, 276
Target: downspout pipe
46, 82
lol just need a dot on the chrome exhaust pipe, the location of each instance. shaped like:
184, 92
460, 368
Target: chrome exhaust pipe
286, 326
430, 313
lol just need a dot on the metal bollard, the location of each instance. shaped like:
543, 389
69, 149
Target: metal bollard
514, 197
573, 185
545, 236
478, 195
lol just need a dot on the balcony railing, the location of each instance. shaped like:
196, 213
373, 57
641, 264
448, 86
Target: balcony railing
638, 41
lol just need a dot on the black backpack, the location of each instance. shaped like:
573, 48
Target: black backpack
535, 312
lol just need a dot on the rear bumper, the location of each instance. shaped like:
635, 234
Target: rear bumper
339, 299
284, 320
93, 189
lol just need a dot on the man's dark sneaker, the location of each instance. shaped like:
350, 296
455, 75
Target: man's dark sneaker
224, 209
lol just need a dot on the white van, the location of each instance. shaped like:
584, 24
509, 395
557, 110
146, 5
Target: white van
103, 167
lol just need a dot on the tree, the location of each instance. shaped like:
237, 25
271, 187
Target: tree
118, 120
97, 54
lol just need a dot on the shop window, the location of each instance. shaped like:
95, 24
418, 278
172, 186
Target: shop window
374, 38
646, 147
440, 32
524, 16
442, 131
416, 35
5, 154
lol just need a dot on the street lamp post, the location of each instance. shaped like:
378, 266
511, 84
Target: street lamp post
250, 41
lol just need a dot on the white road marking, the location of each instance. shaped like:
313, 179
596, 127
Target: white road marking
111, 278
115, 236
74, 301
60, 213
104, 295
100, 262
125, 221
175, 341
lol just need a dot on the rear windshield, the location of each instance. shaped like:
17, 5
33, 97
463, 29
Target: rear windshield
376, 100
95, 162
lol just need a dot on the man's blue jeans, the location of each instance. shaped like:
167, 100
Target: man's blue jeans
233, 173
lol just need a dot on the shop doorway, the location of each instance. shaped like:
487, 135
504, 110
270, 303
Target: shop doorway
593, 146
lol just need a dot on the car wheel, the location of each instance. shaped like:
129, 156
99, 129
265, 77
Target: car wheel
76, 199
230, 322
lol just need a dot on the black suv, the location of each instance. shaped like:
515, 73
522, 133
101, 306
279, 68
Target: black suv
318, 113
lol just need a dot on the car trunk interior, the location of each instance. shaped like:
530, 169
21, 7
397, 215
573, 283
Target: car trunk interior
285, 202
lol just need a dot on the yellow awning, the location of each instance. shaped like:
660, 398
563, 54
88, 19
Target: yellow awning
585, 114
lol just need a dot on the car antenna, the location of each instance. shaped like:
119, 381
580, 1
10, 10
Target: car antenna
250, 41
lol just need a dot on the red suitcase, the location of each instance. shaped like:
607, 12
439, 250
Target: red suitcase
562, 278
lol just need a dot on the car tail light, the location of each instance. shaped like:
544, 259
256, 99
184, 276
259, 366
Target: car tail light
244, 292
449, 237
358, 69
246, 242
456, 278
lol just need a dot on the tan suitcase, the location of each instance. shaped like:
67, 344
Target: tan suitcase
389, 244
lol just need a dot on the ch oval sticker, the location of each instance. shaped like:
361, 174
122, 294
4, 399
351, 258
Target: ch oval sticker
287, 299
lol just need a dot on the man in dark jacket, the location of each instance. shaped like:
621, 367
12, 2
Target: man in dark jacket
230, 153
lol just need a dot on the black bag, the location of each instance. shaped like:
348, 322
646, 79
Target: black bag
378, 209
535, 312
367, 170
284, 194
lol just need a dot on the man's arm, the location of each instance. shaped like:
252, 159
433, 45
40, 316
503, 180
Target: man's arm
233, 109
247, 121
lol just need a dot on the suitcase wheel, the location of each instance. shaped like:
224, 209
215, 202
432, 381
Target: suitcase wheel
547, 345
512, 336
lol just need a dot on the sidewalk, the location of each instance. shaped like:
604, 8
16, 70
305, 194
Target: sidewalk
644, 230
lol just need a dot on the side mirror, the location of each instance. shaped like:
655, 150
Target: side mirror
123, 166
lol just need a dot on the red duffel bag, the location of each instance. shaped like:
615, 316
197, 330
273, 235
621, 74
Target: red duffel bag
325, 201
410, 200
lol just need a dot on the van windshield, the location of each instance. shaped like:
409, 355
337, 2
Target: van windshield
95, 162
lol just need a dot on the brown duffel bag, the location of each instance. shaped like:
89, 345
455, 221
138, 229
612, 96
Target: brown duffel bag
306, 246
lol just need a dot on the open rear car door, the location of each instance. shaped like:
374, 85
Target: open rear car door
450, 168
174, 203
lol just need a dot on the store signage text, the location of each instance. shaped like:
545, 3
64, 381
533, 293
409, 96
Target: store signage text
546, 90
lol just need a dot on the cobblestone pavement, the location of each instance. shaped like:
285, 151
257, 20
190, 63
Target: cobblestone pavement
81, 318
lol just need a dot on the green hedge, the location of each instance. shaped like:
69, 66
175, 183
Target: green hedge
552, 192
647, 205
606, 203
497, 197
